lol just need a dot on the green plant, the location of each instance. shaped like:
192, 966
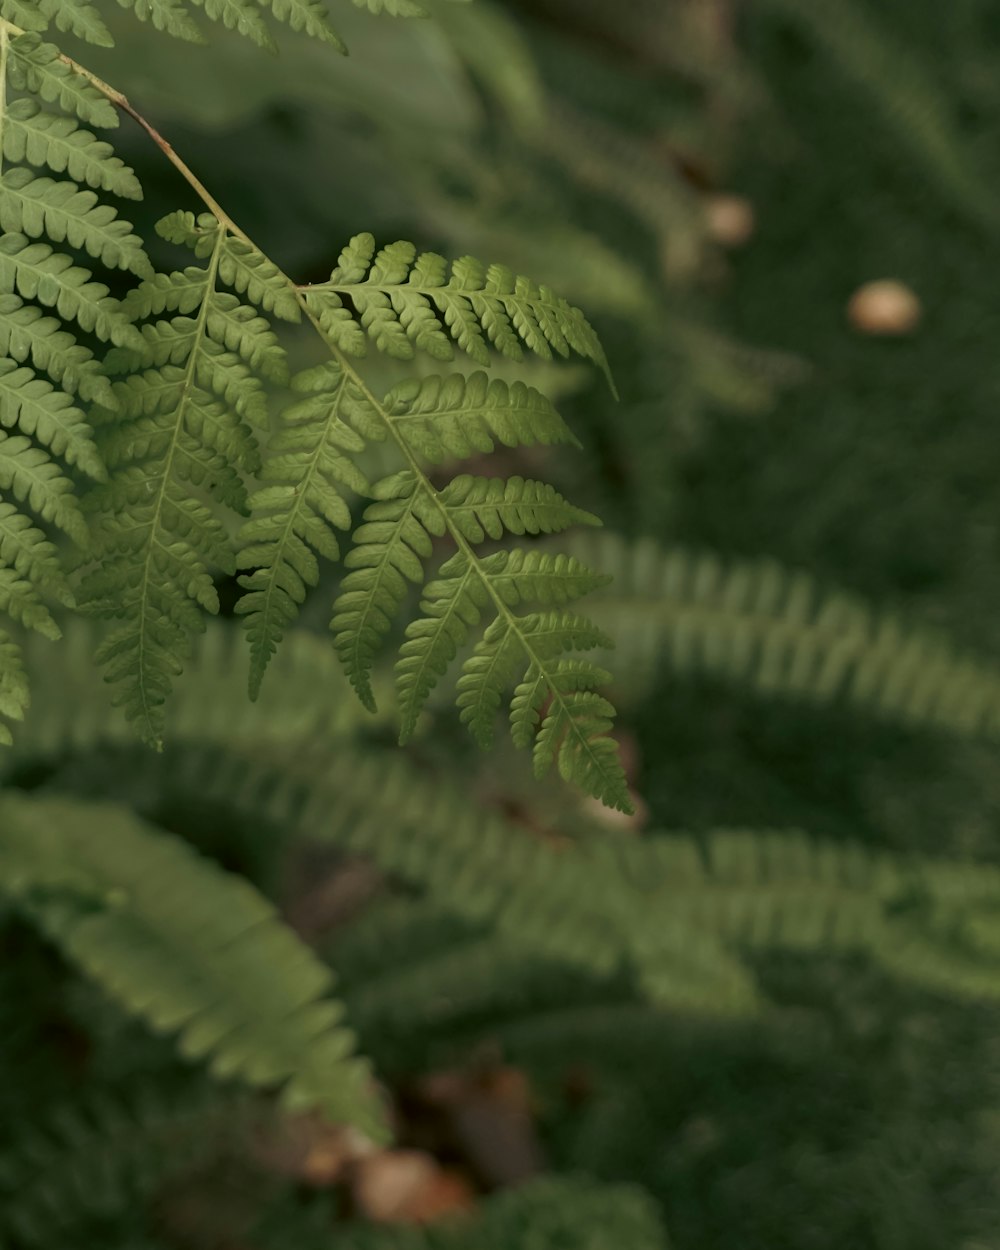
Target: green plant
770, 1014
176, 433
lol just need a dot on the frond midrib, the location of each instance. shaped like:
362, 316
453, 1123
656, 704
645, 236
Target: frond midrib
189, 382
301, 499
466, 548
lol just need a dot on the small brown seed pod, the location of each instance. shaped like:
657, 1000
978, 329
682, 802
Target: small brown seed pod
885, 307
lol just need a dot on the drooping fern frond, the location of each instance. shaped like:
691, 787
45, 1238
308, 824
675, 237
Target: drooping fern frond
186, 947
47, 300
404, 302
681, 913
177, 443
309, 464
775, 630
301, 500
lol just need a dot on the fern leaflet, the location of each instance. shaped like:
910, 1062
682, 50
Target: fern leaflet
307, 467
46, 298
400, 299
184, 420
188, 949
773, 629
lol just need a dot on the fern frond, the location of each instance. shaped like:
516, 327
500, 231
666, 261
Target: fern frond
758, 624
458, 416
24, 13
19, 600
575, 729
487, 507
169, 16
35, 271
308, 698
242, 16
26, 333
187, 948
395, 8
41, 417
185, 418
14, 695
405, 303
56, 142
308, 16
78, 17
298, 503
38, 68
27, 473
250, 272
395, 540
682, 913
389, 550
400, 299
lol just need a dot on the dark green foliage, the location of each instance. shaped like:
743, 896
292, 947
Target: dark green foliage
762, 1015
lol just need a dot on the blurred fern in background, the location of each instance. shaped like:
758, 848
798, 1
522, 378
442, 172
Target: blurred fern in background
287, 982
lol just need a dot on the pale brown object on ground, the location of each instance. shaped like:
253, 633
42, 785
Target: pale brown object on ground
308, 1149
408, 1187
729, 219
885, 307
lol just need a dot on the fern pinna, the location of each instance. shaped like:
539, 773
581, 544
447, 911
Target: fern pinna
179, 408
47, 299
183, 422
403, 302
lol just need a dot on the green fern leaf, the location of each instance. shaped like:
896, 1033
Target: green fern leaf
53, 141
531, 694
14, 694
36, 408
496, 661
309, 16
19, 600
38, 67
27, 551
188, 948
24, 13
241, 16
451, 604
77, 17
774, 630
29, 475
298, 504
459, 416
389, 548
484, 507
397, 297
247, 270
533, 576
43, 208
34, 271
25, 332
486, 674
169, 16
394, 8
181, 420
